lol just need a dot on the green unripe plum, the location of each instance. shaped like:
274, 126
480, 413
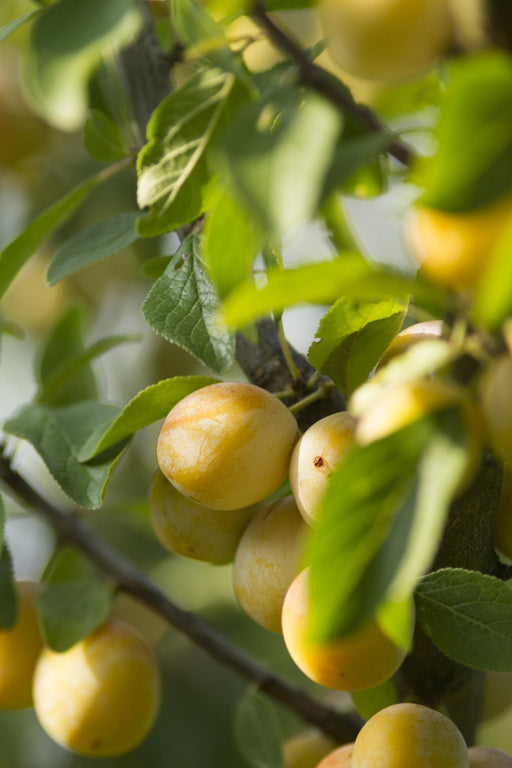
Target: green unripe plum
354, 662
267, 560
20, 647
317, 454
497, 406
227, 445
304, 750
386, 39
192, 530
486, 757
407, 735
338, 758
100, 697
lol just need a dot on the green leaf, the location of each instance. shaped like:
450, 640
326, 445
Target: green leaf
68, 43
58, 435
183, 306
472, 165
68, 564
355, 167
231, 242
369, 702
70, 611
96, 242
257, 730
352, 337
268, 155
8, 600
492, 302
179, 132
148, 406
468, 615
381, 521
6, 30
14, 256
320, 283
102, 137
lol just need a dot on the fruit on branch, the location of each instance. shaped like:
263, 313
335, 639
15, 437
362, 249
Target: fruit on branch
497, 406
338, 758
304, 750
267, 560
486, 757
227, 445
406, 735
20, 646
192, 530
386, 39
403, 403
503, 519
353, 662
454, 249
426, 331
317, 454
100, 697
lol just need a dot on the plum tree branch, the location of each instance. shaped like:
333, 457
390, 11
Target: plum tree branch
323, 82
129, 579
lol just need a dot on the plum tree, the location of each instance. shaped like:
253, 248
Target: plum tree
341, 757
267, 560
425, 331
305, 749
101, 696
386, 39
317, 454
497, 406
406, 734
453, 248
192, 530
227, 445
487, 757
354, 662
20, 647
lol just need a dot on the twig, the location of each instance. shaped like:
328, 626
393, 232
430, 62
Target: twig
129, 579
314, 76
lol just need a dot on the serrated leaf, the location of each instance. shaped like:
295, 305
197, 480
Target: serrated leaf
381, 521
148, 406
102, 137
472, 164
57, 81
230, 243
8, 600
179, 132
183, 306
352, 337
6, 30
14, 255
320, 283
272, 162
70, 611
468, 615
58, 435
64, 344
257, 730
96, 242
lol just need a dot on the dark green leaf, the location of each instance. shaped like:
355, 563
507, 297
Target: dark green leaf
183, 306
14, 256
369, 702
69, 611
468, 615
352, 337
58, 435
102, 137
171, 169
8, 601
472, 165
268, 155
87, 29
148, 406
96, 242
258, 731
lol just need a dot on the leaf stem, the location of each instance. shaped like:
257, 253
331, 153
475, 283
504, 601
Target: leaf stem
318, 394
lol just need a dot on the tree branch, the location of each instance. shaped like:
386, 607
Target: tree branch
323, 82
343, 727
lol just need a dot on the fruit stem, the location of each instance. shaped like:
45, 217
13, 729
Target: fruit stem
318, 394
